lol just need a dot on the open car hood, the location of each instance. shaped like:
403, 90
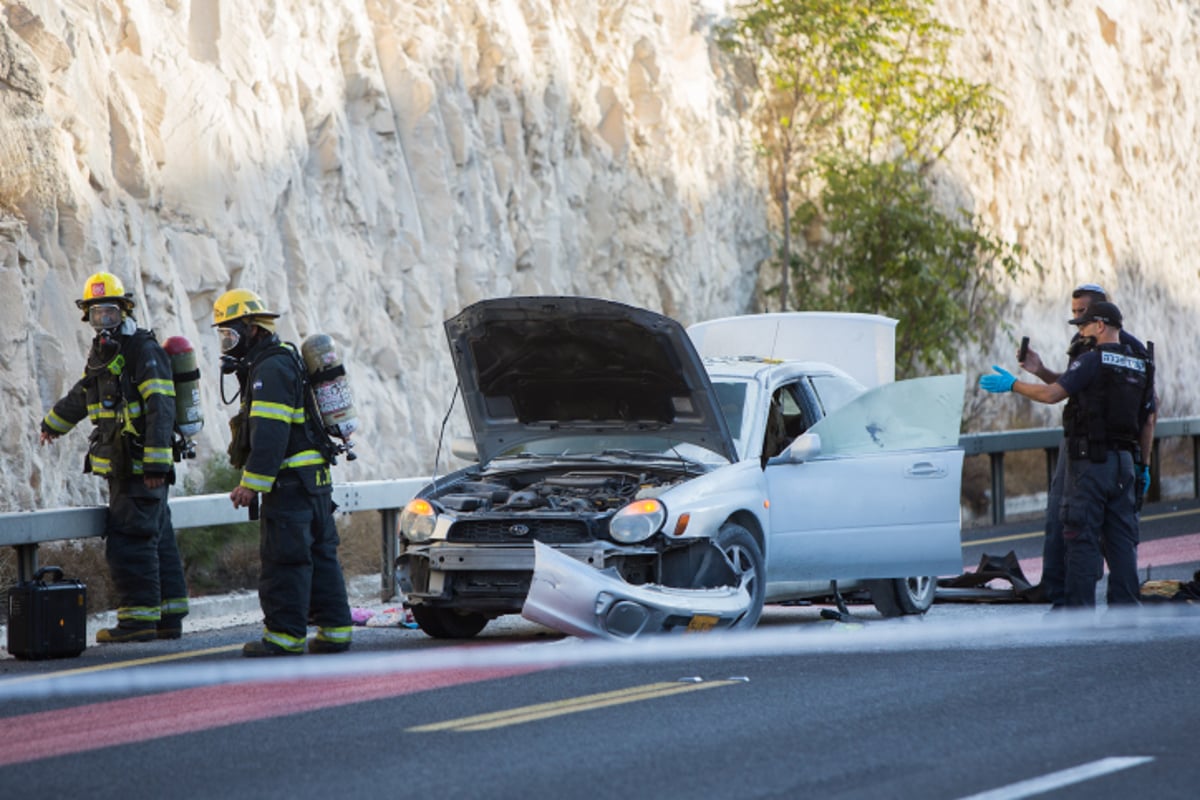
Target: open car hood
538, 367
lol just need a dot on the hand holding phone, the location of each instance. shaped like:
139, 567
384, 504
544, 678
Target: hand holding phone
1024, 351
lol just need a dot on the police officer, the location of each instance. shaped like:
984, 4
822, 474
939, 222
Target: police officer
1110, 384
128, 392
1054, 566
281, 449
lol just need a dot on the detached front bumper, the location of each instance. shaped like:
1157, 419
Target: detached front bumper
577, 599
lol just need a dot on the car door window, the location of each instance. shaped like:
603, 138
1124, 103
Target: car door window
905, 415
834, 391
787, 418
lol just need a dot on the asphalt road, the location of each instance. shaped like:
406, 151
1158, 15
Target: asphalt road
996, 700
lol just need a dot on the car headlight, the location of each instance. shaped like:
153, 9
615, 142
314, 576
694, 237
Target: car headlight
417, 520
637, 521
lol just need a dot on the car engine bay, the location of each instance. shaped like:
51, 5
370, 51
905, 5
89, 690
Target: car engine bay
577, 492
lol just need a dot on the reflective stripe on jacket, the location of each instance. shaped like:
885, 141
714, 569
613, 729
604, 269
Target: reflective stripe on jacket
273, 407
130, 400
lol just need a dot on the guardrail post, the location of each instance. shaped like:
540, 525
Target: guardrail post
997, 460
1196, 466
1051, 465
387, 580
27, 561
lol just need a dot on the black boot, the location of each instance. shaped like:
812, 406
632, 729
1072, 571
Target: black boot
125, 632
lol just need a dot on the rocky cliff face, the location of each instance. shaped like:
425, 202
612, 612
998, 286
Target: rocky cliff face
369, 167
1096, 173
372, 166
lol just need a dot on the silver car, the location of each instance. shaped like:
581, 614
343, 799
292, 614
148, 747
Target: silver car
685, 492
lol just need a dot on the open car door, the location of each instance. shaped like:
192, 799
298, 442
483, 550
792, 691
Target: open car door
879, 497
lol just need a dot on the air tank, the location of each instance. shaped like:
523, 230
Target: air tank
189, 417
327, 375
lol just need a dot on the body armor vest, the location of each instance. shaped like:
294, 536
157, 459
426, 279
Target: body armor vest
1106, 414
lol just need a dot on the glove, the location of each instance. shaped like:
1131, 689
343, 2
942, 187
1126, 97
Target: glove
998, 383
1141, 480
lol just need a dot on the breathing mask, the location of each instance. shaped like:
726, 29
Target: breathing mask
235, 339
105, 317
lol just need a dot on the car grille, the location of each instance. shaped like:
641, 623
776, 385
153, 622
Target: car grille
500, 531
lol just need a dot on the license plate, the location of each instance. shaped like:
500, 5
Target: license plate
701, 623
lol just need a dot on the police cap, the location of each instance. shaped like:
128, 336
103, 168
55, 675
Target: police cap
1099, 310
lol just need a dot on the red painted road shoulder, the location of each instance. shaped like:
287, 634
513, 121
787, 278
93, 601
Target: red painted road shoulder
72, 730
1156, 553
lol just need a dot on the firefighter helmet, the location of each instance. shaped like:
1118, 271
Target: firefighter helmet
104, 287
238, 303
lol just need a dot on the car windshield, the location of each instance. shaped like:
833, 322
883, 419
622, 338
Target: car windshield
731, 397
615, 446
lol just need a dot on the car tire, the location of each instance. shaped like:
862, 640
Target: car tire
445, 623
903, 596
745, 556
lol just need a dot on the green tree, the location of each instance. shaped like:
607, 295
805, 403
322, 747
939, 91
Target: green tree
858, 106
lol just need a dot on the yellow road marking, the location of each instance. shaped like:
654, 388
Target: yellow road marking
1031, 534
516, 716
1011, 538
137, 662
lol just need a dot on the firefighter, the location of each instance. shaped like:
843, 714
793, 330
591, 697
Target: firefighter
1110, 384
128, 393
279, 445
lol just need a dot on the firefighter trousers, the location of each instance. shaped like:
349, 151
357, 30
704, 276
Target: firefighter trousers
143, 555
301, 579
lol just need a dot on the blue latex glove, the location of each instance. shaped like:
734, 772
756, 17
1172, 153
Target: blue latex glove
1145, 479
1002, 382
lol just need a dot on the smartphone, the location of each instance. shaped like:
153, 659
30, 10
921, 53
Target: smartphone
1024, 351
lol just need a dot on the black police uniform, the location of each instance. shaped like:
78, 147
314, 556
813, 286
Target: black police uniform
1111, 385
1054, 550
128, 392
279, 455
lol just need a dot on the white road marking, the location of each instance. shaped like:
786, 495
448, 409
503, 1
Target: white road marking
1057, 780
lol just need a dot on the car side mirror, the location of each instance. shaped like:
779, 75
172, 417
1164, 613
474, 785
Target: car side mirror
805, 447
464, 447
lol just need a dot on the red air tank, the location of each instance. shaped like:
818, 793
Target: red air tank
189, 418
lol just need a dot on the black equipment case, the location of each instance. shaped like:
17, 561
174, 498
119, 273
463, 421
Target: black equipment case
47, 620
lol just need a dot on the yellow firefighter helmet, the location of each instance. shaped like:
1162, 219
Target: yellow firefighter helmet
104, 287
239, 303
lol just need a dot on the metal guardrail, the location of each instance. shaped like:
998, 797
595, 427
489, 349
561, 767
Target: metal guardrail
996, 444
25, 530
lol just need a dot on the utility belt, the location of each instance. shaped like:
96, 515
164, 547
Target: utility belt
1097, 450
313, 481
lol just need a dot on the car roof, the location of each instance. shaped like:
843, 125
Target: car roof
760, 368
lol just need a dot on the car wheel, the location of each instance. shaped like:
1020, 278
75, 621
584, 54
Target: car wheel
445, 623
744, 555
896, 598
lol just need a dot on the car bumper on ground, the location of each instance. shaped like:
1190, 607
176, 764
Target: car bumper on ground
577, 599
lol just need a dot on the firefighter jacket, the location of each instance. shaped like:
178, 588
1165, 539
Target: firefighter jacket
128, 392
273, 431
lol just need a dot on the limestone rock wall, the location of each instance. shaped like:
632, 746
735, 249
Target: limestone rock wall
372, 166
1097, 173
